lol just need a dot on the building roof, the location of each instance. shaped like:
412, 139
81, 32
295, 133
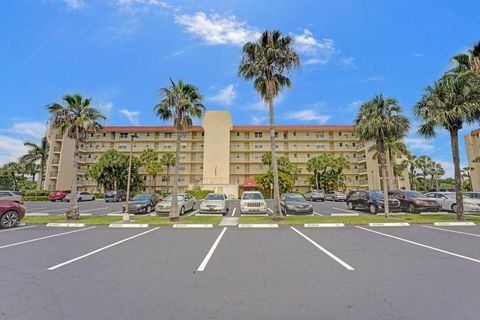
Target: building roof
295, 128
474, 132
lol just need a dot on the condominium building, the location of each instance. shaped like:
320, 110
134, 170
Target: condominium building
472, 145
221, 156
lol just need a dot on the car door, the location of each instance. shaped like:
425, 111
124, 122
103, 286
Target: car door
363, 200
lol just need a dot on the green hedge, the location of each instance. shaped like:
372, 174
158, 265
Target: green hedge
99, 195
199, 194
36, 192
35, 198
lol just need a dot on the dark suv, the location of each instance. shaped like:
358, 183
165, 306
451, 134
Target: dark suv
370, 200
414, 201
115, 196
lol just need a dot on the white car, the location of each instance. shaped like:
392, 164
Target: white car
336, 196
214, 203
253, 202
448, 201
81, 196
186, 202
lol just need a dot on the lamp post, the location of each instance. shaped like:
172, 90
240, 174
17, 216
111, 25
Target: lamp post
126, 216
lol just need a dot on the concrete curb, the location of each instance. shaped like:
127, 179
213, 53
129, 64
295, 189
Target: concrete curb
208, 215
192, 226
66, 225
344, 214
323, 225
389, 224
37, 214
260, 225
435, 213
454, 224
128, 225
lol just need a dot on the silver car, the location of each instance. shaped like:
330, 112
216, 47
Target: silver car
214, 203
336, 196
449, 202
186, 202
81, 196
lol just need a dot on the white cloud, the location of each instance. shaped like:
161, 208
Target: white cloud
260, 105
132, 116
419, 144
225, 96
35, 129
216, 29
369, 79
75, 4
317, 51
105, 107
307, 115
418, 55
256, 120
348, 61
134, 6
449, 168
10, 149
355, 104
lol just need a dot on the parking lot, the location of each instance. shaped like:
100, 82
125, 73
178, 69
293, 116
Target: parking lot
100, 207
415, 272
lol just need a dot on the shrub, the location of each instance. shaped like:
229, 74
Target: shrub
36, 192
199, 194
35, 198
99, 195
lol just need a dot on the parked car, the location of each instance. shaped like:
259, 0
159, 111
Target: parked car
214, 203
373, 201
315, 195
413, 201
13, 196
448, 201
252, 202
186, 202
142, 203
81, 196
292, 203
58, 195
115, 196
11, 213
336, 196
471, 195
441, 190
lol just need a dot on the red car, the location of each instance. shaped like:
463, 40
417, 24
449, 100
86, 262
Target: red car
58, 195
11, 213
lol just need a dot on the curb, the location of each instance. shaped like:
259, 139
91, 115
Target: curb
323, 225
264, 225
192, 226
39, 214
66, 225
344, 214
127, 225
389, 224
208, 215
454, 224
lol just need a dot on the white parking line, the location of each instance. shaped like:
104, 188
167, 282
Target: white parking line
350, 211
328, 253
212, 249
42, 238
191, 213
270, 210
454, 231
100, 249
421, 245
317, 214
16, 229
40, 208
233, 212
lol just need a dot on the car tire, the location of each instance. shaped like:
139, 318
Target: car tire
52, 200
454, 207
350, 206
93, 198
411, 208
182, 211
79, 200
373, 209
149, 209
9, 219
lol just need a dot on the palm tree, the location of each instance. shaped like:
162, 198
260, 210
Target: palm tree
168, 160
425, 164
266, 62
74, 118
148, 155
451, 102
411, 162
394, 149
436, 172
381, 120
338, 165
181, 102
37, 152
154, 168
467, 62
467, 175
12, 170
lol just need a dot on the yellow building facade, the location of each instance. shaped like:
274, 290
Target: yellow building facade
221, 156
472, 146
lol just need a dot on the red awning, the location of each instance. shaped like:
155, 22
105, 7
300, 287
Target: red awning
248, 183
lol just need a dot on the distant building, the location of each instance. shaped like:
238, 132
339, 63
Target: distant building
221, 156
472, 145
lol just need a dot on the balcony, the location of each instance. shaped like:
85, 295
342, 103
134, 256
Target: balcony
57, 149
58, 137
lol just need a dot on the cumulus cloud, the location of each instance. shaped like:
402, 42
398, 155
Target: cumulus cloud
10, 149
317, 51
216, 29
132, 116
105, 107
225, 96
35, 129
256, 120
307, 115
419, 144
134, 6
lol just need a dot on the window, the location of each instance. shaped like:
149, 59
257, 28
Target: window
339, 133
238, 156
320, 146
91, 134
184, 146
319, 135
276, 134
285, 135
340, 144
353, 144
148, 134
238, 134
294, 134
294, 155
123, 134
104, 134
167, 135
258, 134
308, 155
307, 134
167, 146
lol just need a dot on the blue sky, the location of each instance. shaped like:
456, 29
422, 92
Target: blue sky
120, 52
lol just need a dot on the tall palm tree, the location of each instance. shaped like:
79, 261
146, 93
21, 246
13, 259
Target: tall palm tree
449, 103
154, 168
411, 166
266, 61
168, 161
36, 153
436, 172
149, 155
380, 120
181, 102
467, 62
74, 118
394, 148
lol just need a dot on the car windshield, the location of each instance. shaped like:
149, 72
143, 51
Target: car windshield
413, 194
294, 198
252, 196
169, 198
317, 190
339, 193
471, 195
141, 197
376, 194
450, 195
214, 196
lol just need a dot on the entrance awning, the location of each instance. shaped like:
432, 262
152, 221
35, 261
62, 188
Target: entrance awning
248, 183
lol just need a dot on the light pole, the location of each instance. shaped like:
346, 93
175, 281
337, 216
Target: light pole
126, 216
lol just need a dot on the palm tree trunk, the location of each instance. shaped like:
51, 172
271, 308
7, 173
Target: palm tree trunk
168, 177
174, 207
276, 192
383, 169
73, 212
316, 179
389, 167
154, 182
41, 173
457, 174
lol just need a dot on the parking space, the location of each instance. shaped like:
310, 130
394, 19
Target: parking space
230, 273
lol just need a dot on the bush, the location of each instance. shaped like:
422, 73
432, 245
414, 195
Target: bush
199, 194
36, 193
99, 195
35, 198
